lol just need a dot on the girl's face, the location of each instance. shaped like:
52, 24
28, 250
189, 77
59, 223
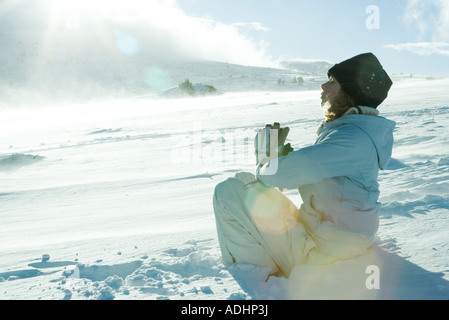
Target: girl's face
331, 90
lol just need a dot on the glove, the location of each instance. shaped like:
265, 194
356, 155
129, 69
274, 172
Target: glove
286, 150
264, 149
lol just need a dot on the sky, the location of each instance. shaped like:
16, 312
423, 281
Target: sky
408, 36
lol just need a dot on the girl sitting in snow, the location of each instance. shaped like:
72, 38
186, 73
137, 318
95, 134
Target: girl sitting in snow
336, 178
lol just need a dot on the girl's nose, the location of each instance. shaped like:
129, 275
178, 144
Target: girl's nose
323, 86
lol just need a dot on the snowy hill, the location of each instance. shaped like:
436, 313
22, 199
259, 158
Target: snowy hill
45, 61
74, 76
73, 69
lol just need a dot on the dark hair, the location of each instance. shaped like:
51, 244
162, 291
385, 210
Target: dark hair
338, 106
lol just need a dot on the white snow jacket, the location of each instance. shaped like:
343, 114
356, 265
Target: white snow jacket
337, 176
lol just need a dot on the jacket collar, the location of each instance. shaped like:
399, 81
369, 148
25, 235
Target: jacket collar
353, 110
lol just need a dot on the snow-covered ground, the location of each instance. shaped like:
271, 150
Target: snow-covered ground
118, 194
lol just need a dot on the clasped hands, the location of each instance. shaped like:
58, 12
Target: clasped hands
270, 144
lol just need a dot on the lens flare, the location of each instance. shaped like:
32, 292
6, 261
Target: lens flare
156, 78
127, 44
352, 279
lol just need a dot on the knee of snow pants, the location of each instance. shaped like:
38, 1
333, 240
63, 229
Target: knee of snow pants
258, 225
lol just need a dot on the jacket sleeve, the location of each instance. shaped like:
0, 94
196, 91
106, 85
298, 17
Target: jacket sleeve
340, 153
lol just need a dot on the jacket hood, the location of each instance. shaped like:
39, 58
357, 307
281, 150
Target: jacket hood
378, 128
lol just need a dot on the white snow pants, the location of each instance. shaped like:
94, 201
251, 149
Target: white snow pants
259, 225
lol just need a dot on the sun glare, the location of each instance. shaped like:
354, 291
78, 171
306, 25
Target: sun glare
64, 6
85, 8
101, 7
74, 12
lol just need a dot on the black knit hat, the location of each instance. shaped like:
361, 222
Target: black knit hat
363, 79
